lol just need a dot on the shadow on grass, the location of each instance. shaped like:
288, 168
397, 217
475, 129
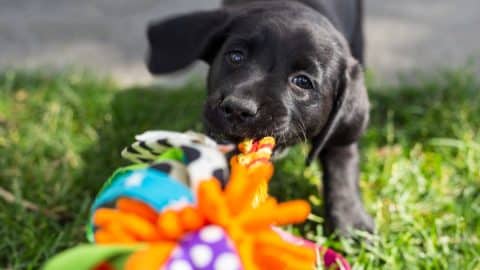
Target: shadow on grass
134, 111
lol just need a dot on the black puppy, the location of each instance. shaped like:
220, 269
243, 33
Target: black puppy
291, 69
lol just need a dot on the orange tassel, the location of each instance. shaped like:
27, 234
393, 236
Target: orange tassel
103, 216
262, 216
119, 233
272, 241
132, 224
169, 225
246, 254
153, 257
234, 190
104, 237
238, 193
191, 219
212, 204
138, 208
270, 259
292, 212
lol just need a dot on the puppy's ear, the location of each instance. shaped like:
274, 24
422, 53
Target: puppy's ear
177, 42
350, 112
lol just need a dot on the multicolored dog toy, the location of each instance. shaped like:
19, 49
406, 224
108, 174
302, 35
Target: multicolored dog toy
169, 211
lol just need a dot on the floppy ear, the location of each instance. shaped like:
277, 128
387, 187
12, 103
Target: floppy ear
177, 42
350, 112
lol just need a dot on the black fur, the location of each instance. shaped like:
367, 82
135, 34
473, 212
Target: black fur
280, 39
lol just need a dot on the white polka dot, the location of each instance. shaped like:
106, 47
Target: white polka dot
227, 261
201, 255
211, 234
134, 180
180, 265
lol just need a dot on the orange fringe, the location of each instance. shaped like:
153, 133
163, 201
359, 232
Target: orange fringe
249, 227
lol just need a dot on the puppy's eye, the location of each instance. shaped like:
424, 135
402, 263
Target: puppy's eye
235, 57
302, 81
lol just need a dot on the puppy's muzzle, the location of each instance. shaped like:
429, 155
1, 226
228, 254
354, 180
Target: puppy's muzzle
239, 110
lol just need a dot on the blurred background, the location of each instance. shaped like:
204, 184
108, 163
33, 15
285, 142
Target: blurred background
63, 122
107, 36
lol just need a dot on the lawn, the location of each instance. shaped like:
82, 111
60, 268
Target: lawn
61, 134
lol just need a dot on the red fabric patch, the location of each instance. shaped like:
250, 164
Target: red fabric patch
103, 266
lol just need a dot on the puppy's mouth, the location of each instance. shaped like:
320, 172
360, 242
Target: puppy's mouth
282, 138
276, 124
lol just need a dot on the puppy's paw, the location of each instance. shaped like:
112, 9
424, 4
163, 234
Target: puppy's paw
344, 222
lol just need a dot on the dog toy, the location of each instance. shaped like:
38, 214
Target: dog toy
169, 211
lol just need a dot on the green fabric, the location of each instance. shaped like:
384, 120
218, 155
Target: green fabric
85, 257
119, 172
172, 154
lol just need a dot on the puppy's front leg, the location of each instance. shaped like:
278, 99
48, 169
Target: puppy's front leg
344, 209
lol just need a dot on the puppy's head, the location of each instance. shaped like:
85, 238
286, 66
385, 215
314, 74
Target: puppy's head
277, 68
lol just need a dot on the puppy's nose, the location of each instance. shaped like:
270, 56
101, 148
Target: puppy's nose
239, 108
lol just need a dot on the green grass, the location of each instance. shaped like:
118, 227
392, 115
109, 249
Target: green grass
60, 137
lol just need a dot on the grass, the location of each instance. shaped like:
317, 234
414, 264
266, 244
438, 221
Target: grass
60, 137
